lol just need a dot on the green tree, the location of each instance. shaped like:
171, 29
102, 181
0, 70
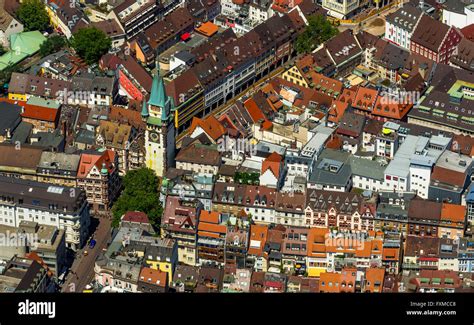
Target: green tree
140, 194
90, 44
318, 30
52, 45
33, 15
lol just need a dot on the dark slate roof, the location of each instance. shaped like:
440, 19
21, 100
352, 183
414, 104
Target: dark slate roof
405, 17
10, 117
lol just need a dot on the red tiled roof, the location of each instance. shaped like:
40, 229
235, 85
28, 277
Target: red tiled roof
272, 162
468, 32
155, 277
255, 112
448, 176
135, 216
453, 212
365, 98
336, 111
38, 112
209, 216
88, 161
258, 233
210, 125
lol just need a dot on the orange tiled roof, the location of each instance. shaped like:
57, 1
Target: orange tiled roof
255, 112
321, 81
88, 161
336, 111
258, 233
333, 282
316, 242
209, 216
39, 113
152, 276
365, 98
273, 163
373, 275
391, 254
208, 29
210, 125
383, 107
453, 212
211, 228
348, 96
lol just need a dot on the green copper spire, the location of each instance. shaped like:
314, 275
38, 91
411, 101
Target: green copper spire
144, 109
104, 170
158, 93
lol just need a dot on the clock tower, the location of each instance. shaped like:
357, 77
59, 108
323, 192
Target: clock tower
158, 113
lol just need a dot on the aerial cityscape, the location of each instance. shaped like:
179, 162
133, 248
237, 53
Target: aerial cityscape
226, 146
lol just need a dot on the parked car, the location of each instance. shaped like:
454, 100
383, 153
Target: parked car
92, 243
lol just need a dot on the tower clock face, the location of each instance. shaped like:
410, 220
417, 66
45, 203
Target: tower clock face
155, 137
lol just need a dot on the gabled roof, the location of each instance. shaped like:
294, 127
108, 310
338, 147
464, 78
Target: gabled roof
97, 159
272, 162
390, 108
454, 213
336, 111
430, 33
258, 238
210, 125
39, 113
365, 98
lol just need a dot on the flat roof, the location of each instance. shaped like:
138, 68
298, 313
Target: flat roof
454, 161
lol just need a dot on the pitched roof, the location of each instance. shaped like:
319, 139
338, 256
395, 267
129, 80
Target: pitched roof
39, 113
468, 32
255, 113
430, 33
154, 276
447, 176
258, 238
209, 216
455, 213
136, 216
391, 108
365, 98
27, 158
272, 162
89, 160
210, 125
424, 209
199, 154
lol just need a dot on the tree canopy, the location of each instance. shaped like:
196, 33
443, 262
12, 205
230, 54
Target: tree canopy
318, 31
51, 45
33, 15
140, 194
90, 44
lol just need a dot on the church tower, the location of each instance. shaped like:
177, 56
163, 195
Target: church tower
160, 142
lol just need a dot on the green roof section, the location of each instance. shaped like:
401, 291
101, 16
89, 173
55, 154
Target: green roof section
22, 45
154, 121
38, 101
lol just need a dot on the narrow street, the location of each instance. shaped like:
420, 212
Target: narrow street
82, 270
